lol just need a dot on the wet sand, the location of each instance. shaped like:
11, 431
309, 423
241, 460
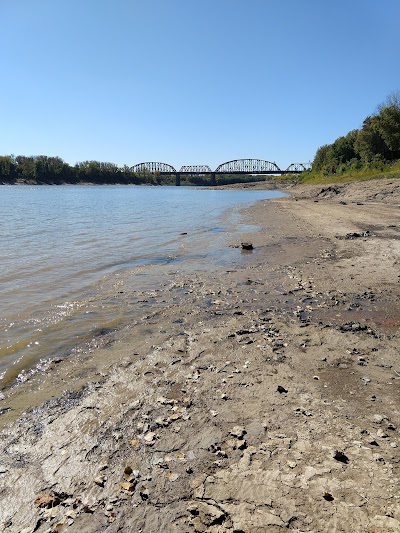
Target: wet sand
259, 398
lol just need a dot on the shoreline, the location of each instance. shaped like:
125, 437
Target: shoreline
256, 398
68, 296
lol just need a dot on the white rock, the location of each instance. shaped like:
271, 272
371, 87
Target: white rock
378, 419
238, 431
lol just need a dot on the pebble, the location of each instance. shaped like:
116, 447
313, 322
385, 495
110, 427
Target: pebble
378, 419
149, 438
238, 431
127, 486
144, 493
341, 457
382, 434
100, 480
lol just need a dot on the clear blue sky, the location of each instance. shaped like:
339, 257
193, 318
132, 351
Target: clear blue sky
191, 81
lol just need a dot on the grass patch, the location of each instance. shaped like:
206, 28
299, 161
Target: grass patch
389, 171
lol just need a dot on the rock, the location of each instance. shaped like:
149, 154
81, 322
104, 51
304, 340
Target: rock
47, 501
281, 389
378, 419
149, 438
356, 235
341, 457
127, 486
128, 471
144, 493
206, 515
238, 431
328, 497
382, 434
246, 246
100, 480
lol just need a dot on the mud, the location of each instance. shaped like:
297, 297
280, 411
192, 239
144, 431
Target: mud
256, 399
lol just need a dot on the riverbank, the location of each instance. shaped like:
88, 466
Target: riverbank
259, 398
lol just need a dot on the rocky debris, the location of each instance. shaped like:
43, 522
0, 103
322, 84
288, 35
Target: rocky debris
356, 235
329, 192
355, 326
246, 246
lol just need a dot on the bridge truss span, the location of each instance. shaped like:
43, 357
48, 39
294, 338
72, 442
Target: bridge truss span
298, 167
196, 169
248, 166
153, 166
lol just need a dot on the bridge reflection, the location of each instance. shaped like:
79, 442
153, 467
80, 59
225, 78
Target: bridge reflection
236, 166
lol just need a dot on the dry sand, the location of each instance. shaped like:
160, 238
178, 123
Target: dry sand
260, 399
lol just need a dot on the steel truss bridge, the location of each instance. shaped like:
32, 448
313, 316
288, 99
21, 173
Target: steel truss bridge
237, 166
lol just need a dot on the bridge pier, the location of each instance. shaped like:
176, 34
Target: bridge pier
213, 179
177, 179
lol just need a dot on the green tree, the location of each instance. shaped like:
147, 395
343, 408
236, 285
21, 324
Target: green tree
388, 123
369, 143
8, 169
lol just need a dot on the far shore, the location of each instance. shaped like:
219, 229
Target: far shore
252, 399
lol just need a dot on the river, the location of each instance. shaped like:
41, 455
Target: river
66, 251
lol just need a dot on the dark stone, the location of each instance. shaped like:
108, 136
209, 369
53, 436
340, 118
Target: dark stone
246, 246
281, 389
341, 457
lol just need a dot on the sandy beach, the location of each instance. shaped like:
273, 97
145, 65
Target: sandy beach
259, 399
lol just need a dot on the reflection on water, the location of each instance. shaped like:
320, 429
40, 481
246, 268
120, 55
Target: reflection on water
67, 252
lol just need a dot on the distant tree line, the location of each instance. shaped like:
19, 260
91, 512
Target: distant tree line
374, 145
42, 169
46, 170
